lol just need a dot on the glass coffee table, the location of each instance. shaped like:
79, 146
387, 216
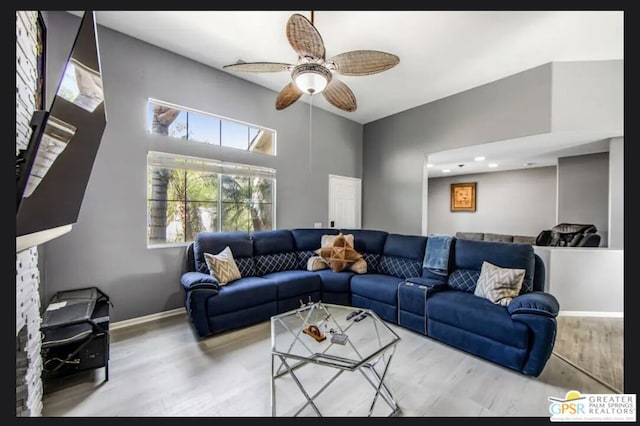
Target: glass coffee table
328, 336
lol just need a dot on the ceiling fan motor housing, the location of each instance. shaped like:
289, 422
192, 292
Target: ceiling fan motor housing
311, 77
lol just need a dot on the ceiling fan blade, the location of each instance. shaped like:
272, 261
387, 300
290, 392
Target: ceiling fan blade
339, 95
363, 62
288, 95
258, 67
304, 38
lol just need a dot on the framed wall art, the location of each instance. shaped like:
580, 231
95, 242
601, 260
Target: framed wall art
463, 197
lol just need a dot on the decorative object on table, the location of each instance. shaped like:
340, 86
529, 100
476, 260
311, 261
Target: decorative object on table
361, 317
353, 314
463, 197
313, 73
314, 332
339, 338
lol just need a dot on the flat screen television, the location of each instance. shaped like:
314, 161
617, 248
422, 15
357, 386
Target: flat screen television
52, 173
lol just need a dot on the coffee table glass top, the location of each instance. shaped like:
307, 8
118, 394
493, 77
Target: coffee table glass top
365, 339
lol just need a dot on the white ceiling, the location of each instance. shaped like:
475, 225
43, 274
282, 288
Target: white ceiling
441, 52
526, 152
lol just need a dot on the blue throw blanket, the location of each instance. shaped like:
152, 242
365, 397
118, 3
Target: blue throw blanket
436, 258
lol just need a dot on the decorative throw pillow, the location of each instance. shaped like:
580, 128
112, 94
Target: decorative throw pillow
499, 285
316, 263
328, 240
340, 255
222, 266
359, 266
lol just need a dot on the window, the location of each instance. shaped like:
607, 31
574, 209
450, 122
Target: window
182, 123
186, 195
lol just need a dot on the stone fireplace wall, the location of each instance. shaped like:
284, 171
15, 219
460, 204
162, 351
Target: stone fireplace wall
28, 359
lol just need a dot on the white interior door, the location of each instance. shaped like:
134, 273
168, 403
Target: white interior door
344, 202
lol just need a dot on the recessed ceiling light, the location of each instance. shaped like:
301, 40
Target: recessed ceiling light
493, 165
446, 170
529, 164
479, 158
429, 165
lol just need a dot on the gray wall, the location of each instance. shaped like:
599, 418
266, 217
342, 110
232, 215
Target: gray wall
107, 247
616, 193
588, 95
516, 202
583, 191
395, 147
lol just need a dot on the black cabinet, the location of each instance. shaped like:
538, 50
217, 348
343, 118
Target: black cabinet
75, 332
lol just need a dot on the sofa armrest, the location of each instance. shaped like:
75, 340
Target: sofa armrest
427, 282
535, 303
198, 280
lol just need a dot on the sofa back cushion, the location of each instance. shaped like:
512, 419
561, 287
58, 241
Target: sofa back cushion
498, 237
370, 244
214, 242
403, 255
307, 241
274, 251
470, 254
464, 280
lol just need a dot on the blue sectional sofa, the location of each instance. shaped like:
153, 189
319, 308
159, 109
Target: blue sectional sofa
396, 286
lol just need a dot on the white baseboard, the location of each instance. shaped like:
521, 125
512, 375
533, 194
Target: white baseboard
146, 318
591, 314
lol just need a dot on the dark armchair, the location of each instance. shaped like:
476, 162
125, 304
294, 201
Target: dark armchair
569, 235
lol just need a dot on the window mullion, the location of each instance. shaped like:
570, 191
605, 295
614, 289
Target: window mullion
219, 202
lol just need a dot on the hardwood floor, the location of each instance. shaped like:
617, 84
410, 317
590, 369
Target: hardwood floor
162, 369
595, 345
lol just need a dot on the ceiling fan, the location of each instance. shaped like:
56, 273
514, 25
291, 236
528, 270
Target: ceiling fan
313, 73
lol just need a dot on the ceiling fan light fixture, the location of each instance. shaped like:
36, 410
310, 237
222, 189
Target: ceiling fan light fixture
311, 78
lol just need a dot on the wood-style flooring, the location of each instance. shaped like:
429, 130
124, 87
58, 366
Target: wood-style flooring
595, 345
161, 368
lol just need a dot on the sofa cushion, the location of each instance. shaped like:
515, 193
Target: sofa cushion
464, 280
214, 242
241, 294
366, 240
400, 267
270, 242
470, 254
470, 235
275, 262
223, 266
303, 258
373, 260
406, 246
383, 288
524, 239
499, 285
246, 266
479, 316
274, 251
295, 283
335, 282
498, 237
370, 244
308, 239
